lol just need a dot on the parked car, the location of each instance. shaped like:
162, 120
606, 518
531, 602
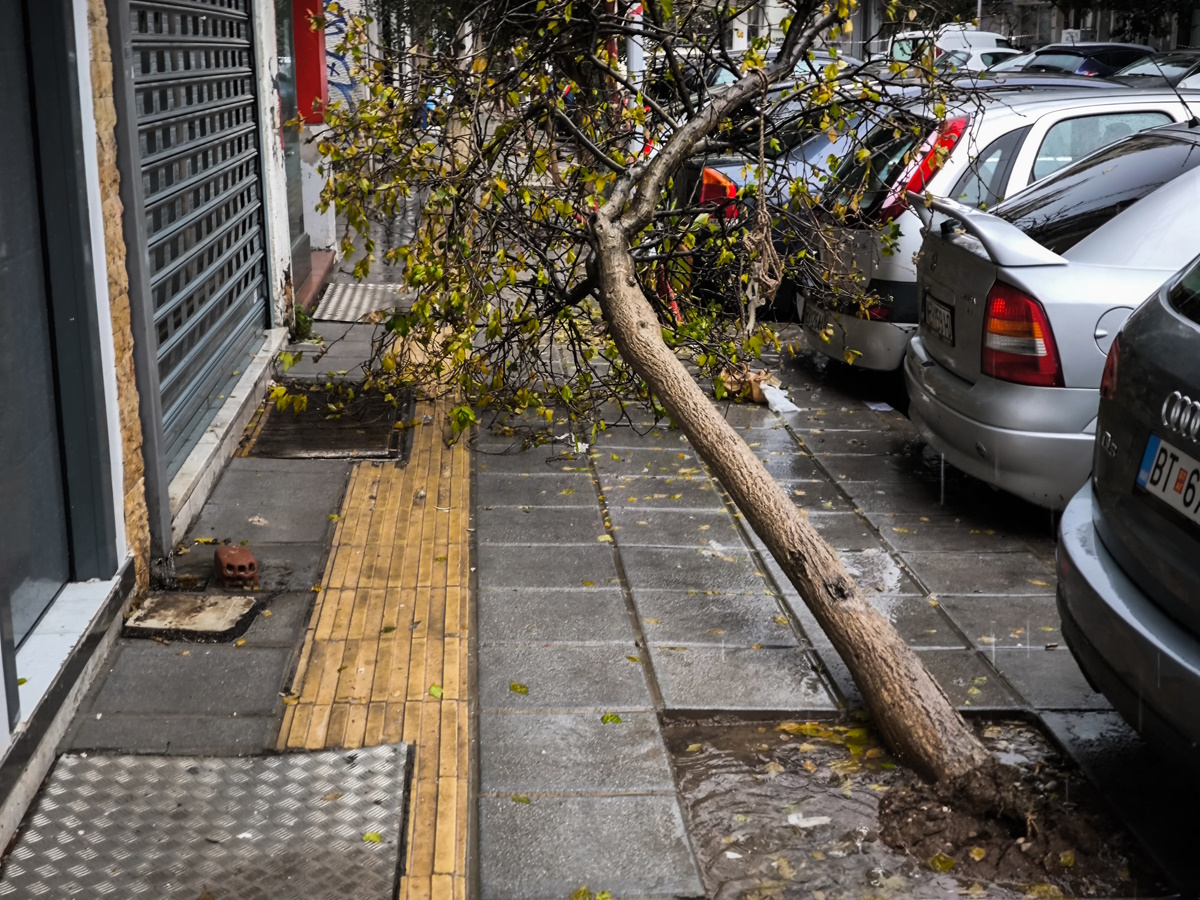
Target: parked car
909, 46
1180, 68
1093, 58
972, 59
1129, 548
990, 152
992, 80
1020, 305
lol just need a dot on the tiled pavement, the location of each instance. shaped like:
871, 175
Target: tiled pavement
623, 581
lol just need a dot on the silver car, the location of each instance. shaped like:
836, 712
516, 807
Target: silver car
1019, 307
993, 148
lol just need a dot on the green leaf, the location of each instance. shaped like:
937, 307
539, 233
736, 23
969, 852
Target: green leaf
518, 798
373, 837
942, 863
518, 688
610, 719
435, 691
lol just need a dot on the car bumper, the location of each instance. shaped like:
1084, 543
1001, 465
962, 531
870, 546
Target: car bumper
881, 344
1142, 660
1046, 468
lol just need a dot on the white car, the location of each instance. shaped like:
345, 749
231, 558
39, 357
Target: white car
907, 46
973, 59
992, 149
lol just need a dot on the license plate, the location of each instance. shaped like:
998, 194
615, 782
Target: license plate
1170, 475
814, 317
940, 319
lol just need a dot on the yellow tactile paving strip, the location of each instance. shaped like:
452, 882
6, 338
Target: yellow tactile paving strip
391, 621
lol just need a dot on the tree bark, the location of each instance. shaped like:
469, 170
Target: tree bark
909, 707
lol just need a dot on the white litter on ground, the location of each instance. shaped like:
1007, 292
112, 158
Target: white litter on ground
778, 400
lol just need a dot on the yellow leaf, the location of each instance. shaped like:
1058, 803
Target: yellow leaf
978, 854
605, 539
240, 642
206, 540
694, 748
809, 766
1066, 859
587, 583
781, 620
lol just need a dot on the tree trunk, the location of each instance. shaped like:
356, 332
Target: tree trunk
909, 707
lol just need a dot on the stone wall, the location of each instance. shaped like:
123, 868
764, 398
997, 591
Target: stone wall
137, 529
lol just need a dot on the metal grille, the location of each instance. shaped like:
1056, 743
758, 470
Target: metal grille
194, 91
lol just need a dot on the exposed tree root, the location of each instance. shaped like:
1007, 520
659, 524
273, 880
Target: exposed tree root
999, 823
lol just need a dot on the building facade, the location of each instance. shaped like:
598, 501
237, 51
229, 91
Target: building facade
151, 249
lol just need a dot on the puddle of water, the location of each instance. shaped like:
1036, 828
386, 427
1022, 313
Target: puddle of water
781, 809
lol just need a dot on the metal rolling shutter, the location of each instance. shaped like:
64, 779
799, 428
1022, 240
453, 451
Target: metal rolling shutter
194, 91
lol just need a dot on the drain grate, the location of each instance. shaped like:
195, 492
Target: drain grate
308, 826
366, 431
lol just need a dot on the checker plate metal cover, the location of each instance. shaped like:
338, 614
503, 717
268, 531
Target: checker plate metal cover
242, 828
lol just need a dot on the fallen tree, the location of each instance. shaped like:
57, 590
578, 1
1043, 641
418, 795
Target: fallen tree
571, 254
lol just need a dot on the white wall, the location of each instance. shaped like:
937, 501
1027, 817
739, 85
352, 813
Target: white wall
279, 247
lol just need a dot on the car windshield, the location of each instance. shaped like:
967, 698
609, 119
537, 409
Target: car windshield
909, 49
1169, 65
1064, 208
1055, 62
1012, 64
1185, 295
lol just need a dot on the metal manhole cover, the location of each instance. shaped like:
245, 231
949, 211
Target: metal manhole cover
299, 826
366, 431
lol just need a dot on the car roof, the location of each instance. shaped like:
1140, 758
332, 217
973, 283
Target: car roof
1090, 46
1037, 102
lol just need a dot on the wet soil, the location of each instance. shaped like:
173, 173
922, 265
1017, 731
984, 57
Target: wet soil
792, 809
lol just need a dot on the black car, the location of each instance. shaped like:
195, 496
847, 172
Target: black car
1129, 541
1093, 59
1161, 69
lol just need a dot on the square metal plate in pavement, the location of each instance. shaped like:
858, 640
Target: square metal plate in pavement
303, 826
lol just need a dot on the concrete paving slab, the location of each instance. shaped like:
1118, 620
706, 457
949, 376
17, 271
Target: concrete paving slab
540, 616
968, 681
286, 623
684, 570
946, 533
982, 573
213, 679
632, 846
1048, 679
655, 460
541, 525
547, 565
877, 571
532, 753
174, 735
695, 677
842, 530
818, 496
560, 489
1005, 621
833, 418
661, 493
548, 459
915, 498
562, 677
872, 442
677, 617
748, 415
673, 528
919, 623
287, 502
281, 566
791, 466
615, 439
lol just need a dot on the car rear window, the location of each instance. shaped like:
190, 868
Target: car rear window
1185, 295
1170, 66
889, 147
1055, 62
1061, 210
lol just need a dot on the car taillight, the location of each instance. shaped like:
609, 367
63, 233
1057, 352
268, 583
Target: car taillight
917, 176
1108, 381
1018, 344
717, 189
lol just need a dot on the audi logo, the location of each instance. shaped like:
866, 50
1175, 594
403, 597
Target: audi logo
1182, 415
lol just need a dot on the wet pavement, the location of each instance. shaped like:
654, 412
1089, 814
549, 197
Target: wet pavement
623, 581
